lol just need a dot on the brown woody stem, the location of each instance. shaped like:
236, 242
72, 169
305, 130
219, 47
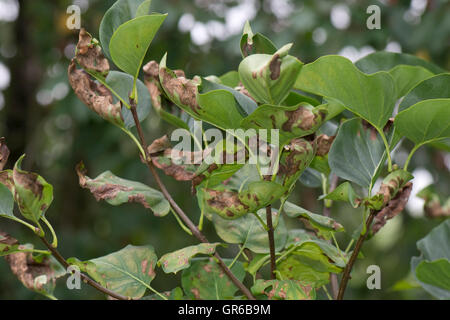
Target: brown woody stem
195, 231
270, 233
84, 277
356, 250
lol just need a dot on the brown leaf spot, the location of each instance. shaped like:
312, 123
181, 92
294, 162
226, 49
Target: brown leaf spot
144, 266
307, 119
224, 200
29, 180
4, 153
196, 293
184, 89
324, 143
274, 67
159, 145
89, 55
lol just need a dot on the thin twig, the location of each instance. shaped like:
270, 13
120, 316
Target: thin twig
356, 250
270, 232
84, 277
195, 231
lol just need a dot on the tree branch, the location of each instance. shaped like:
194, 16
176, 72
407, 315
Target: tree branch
356, 250
84, 277
270, 232
195, 231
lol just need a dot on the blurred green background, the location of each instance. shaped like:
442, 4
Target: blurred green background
40, 116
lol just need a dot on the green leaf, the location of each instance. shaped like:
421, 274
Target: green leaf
311, 178
434, 247
128, 271
283, 290
270, 78
322, 224
372, 97
131, 40
255, 43
343, 192
32, 193
119, 13
432, 88
230, 79
122, 85
6, 201
249, 232
175, 294
247, 105
357, 154
384, 61
425, 122
181, 259
435, 273
117, 191
205, 280
407, 77
293, 122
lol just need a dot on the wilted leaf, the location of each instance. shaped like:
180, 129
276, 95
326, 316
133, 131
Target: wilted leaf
205, 280
128, 271
179, 165
249, 232
269, 78
323, 225
32, 193
37, 276
116, 191
371, 97
4, 153
432, 206
392, 184
181, 259
283, 290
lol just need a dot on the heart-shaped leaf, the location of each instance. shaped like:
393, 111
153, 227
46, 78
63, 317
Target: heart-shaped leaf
269, 78
181, 259
117, 191
131, 40
372, 97
119, 13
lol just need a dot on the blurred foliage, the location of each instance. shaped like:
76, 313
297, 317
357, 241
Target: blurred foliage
41, 116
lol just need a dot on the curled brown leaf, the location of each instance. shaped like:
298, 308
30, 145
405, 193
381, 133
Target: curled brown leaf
4, 153
324, 143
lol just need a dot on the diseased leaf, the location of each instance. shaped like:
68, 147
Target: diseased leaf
293, 122
181, 259
255, 43
435, 246
205, 280
425, 122
269, 78
323, 225
389, 188
131, 40
117, 191
178, 165
4, 153
372, 97
433, 207
119, 13
39, 276
249, 232
32, 193
283, 290
8, 244
432, 88
175, 294
128, 271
